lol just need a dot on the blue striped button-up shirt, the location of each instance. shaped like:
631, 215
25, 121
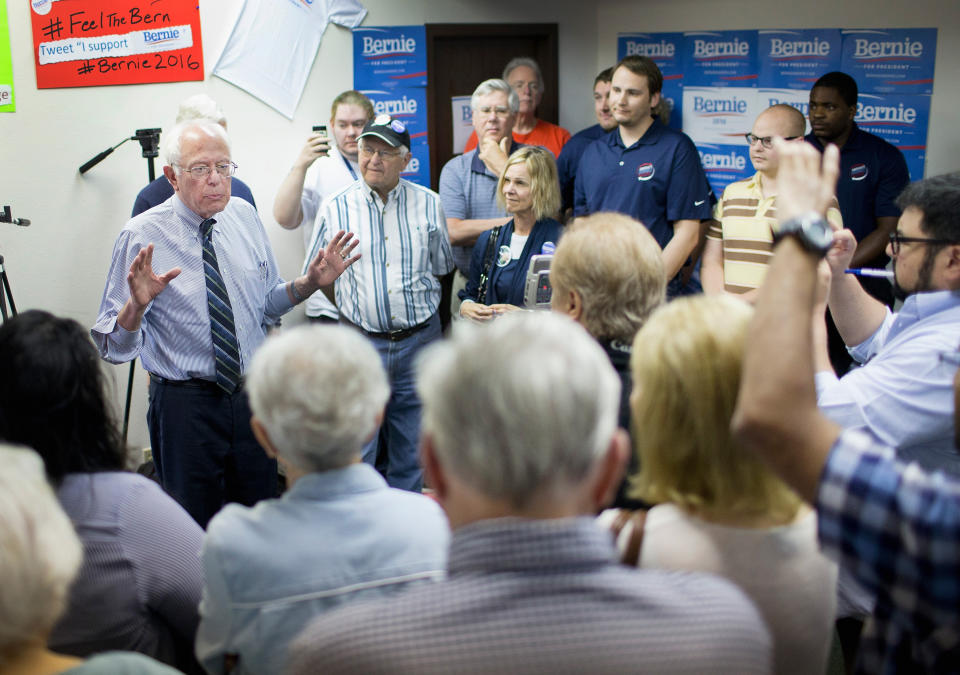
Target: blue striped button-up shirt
174, 338
405, 248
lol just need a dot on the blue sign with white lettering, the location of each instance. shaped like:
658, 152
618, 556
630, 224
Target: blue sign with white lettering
418, 168
666, 50
900, 120
409, 105
387, 57
891, 61
725, 164
795, 59
725, 58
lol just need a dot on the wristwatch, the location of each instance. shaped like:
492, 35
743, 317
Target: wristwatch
811, 229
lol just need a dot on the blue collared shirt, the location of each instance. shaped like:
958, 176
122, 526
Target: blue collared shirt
904, 393
873, 173
405, 248
658, 180
569, 160
468, 190
335, 537
897, 528
173, 340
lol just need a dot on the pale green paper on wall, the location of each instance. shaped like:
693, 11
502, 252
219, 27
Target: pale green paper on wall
7, 102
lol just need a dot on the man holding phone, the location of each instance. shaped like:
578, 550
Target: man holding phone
319, 172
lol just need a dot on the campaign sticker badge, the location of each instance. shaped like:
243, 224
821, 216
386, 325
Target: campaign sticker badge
385, 57
891, 61
645, 171
795, 59
407, 106
725, 58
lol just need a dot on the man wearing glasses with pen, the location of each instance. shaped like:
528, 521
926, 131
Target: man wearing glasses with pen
192, 288
740, 239
903, 394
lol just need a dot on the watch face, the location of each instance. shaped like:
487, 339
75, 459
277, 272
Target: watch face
818, 232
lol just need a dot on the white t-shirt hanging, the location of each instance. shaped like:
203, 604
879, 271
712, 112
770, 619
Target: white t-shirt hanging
274, 42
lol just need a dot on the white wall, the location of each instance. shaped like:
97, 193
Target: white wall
60, 262
943, 141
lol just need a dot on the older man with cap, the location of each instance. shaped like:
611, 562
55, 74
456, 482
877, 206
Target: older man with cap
392, 296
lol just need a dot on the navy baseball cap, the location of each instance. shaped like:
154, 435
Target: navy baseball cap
387, 129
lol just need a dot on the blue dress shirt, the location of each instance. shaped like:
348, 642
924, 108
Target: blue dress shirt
335, 537
903, 394
174, 338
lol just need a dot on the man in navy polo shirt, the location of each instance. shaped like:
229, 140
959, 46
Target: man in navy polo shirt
569, 158
645, 169
872, 174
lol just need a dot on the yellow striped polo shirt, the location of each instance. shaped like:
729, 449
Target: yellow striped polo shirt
745, 220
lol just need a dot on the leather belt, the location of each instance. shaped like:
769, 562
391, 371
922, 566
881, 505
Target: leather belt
392, 336
194, 383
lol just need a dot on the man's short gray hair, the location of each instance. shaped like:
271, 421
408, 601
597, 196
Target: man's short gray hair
40, 553
173, 141
521, 407
318, 391
492, 85
201, 107
523, 61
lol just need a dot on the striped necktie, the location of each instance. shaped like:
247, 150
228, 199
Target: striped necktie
226, 350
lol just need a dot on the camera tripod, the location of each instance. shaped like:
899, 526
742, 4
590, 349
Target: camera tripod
149, 144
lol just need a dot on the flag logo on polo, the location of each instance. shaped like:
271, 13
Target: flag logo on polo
858, 171
645, 171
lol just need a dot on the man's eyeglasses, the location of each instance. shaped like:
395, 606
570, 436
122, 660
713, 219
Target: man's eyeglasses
896, 239
225, 169
499, 111
367, 151
765, 141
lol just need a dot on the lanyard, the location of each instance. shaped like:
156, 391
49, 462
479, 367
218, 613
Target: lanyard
349, 165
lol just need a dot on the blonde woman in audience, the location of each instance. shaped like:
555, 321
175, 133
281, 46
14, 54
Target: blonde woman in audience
39, 558
718, 508
530, 192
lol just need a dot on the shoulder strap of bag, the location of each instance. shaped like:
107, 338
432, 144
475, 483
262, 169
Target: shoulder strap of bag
487, 264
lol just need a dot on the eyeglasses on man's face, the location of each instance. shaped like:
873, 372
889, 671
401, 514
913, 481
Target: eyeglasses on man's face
896, 239
765, 141
500, 111
367, 151
225, 169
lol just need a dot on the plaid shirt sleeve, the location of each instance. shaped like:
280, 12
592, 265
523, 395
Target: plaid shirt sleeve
897, 528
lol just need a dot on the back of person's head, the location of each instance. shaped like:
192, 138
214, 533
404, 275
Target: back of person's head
613, 263
521, 408
646, 67
790, 120
845, 85
53, 397
544, 183
39, 553
173, 141
318, 391
493, 85
352, 97
686, 366
938, 197
201, 107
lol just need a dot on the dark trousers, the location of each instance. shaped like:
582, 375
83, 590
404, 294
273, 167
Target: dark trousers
204, 449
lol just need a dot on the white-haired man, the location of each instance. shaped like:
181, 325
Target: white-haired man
521, 446
393, 295
317, 394
524, 76
196, 325
196, 107
468, 182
